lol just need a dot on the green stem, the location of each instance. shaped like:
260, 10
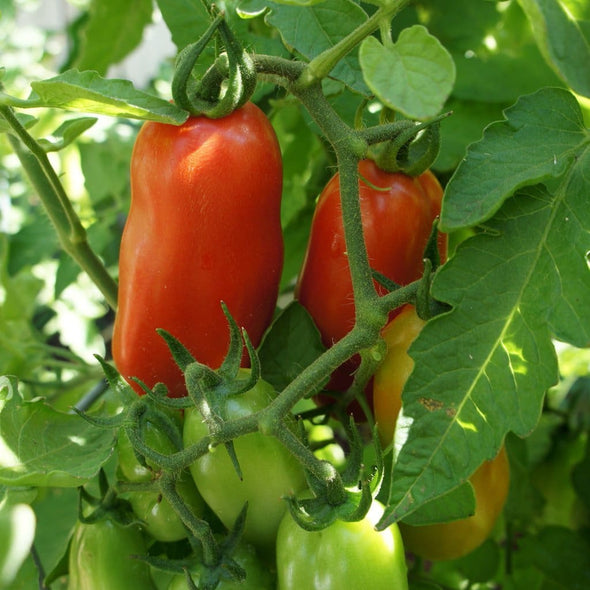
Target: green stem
319, 67
71, 233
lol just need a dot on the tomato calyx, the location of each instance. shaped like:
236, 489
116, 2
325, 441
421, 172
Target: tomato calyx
226, 86
348, 497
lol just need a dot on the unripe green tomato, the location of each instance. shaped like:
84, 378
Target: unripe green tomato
102, 558
158, 516
258, 577
269, 471
343, 556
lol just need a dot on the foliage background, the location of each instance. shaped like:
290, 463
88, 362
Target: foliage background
53, 320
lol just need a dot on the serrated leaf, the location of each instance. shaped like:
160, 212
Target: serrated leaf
66, 133
482, 369
561, 41
43, 447
458, 503
310, 30
539, 138
125, 21
414, 76
91, 93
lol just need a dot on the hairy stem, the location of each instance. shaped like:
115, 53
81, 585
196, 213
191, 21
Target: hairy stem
71, 233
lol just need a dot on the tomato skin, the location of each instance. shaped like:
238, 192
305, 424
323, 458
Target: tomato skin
396, 223
451, 540
157, 516
269, 471
351, 555
392, 374
490, 481
258, 577
203, 227
101, 557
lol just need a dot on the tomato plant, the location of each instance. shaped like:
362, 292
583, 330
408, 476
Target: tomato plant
490, 482
398, 212
104, 555
258, 576
394, 371
155, 512
451, 540
260, 457
140, 196
196, 238
343, 555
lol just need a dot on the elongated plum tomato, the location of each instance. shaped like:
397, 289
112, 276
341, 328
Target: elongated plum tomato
490, 481
103, 555
397, 215
269, 471
203, 228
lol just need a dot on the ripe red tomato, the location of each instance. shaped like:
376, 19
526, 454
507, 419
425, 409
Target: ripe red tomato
397, 215
203, 227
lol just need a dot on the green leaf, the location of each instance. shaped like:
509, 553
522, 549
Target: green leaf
538, 140
43, 447
482, 369
91, 93
310, 30
561, 554
461, 129
186, 20
415, 75
561, 41
292, 343
17, 530
67, 133
27, 121
124, 20
458, 503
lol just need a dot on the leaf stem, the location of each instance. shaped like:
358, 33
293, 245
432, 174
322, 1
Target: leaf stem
320, 66
71, 233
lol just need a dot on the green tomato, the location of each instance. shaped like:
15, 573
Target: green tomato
102, 557
258, 577
350, 555
157, 515
269, 471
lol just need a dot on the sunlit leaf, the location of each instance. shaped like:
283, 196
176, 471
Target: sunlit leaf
43, 447
89, 92
415, 75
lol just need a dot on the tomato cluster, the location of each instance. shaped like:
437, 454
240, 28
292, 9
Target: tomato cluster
197, 238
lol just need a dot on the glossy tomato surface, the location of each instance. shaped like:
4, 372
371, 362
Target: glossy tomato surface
397, 212
158, 517
451, 540
345, 555
203, 227
102, 556
269, 471
392, 374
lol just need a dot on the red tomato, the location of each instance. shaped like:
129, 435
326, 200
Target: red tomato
204, 227
397, 214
